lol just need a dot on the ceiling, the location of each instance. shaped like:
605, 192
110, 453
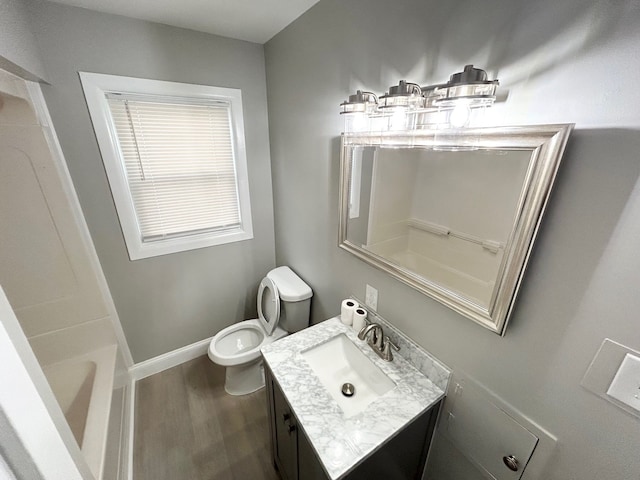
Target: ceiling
251, 20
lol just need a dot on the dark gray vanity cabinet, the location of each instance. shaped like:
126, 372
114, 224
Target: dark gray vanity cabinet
400, 458
290, 449
284, 434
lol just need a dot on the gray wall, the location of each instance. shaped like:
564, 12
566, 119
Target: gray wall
169, 301
570, 61
19, 53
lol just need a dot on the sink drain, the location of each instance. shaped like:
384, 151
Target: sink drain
348, 390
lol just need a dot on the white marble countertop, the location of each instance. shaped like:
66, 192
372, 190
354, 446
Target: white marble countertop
341, 442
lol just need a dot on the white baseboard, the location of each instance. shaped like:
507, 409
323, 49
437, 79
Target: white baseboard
126, 436
138, 372
169, 360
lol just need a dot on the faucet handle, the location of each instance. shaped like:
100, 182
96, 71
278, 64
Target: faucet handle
387, 341
377, 338
387, 354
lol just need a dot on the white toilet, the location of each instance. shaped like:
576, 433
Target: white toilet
283, 307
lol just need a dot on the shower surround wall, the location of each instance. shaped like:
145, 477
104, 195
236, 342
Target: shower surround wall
581, 283
169, 301
50, 274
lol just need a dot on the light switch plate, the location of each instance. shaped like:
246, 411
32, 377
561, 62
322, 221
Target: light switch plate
371, 297
625, 386
603, 369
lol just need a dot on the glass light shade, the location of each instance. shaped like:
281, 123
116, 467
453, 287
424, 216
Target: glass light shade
402, 101
432, 96
361, 102
353, 108
432, 118
464, 114
357, 122
460, 115
378, 123
482, 91
404, 95
398, 119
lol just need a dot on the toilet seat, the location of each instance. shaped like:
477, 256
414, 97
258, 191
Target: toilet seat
241, 343
268, 305
237, 347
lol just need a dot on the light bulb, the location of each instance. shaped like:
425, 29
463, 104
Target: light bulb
460, 115
359, 122
398, 119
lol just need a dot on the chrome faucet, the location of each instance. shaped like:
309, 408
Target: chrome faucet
375, 332
378, 341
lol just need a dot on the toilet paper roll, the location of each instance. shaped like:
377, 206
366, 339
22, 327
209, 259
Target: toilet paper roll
359, 319
346, 311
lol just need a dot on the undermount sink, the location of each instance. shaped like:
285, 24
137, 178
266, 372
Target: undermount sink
337, 362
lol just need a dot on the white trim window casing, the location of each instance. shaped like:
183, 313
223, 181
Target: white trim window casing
175, 159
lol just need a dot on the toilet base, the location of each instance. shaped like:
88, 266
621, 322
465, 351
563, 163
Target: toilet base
244, 379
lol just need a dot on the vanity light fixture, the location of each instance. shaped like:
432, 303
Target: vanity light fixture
406, 106
399, 104
361, 102
465, 93
403, 95
470, 86
358, 110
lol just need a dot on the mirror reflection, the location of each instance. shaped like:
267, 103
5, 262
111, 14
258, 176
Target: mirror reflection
453, 214
445, 216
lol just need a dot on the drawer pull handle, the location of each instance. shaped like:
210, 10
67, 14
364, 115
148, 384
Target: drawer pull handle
291, 429
511, 462
286, 417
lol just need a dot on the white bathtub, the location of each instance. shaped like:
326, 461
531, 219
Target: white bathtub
83, 386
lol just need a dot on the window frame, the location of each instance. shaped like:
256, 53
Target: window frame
96, 87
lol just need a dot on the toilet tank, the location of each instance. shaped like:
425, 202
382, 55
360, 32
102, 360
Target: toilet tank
295, 299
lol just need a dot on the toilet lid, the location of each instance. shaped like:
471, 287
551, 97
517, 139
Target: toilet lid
268, 305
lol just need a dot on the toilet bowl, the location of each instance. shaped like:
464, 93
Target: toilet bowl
283, 307
238, 348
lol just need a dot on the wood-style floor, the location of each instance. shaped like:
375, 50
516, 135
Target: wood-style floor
188, 428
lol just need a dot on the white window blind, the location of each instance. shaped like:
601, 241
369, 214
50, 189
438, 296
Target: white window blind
175, 157
178, 158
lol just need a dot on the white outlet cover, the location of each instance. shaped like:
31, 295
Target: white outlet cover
371, 297
625, 386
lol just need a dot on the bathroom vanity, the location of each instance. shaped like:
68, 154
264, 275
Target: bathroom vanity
319, 434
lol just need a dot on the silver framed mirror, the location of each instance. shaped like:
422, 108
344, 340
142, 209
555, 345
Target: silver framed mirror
451, 214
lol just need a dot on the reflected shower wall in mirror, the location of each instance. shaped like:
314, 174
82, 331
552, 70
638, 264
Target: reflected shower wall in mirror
443, 215
453, 221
